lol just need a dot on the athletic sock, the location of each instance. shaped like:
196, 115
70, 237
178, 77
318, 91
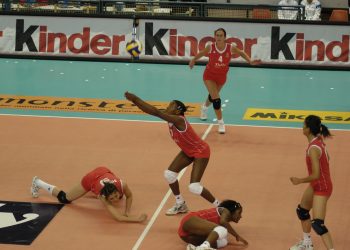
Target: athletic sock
216, 203
307, 239
221, 121
179, 199
205, 244
46, 186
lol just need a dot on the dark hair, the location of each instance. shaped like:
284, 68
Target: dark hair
180, 106
108, 189
313, 122
230, 205
220, 29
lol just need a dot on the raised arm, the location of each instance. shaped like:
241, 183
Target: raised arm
119, 216
236, 50
199, 56
149, 109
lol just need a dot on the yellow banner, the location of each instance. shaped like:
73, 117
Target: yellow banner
287, 115
82, 105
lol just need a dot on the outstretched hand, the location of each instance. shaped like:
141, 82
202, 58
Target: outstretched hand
191, 63
239, 238
295, 180
130, 96
255, 62
143, 217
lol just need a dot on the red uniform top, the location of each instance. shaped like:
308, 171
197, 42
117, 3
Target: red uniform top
219, 60
211, 214
323, 185
189, 141
94, 180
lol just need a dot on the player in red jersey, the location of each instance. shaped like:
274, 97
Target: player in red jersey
208, 229
320, 186
215, 74
104, 184
193, 150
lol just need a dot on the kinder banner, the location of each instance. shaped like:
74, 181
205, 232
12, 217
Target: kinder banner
324, 45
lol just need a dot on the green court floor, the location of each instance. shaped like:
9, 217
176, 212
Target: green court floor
282, 91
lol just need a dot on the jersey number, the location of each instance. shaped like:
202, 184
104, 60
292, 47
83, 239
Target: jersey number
220, 59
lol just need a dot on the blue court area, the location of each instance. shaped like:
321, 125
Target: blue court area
276, 97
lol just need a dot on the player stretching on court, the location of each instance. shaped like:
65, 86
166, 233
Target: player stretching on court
208, 229
102, 182
193, 150
215, 73
320, 188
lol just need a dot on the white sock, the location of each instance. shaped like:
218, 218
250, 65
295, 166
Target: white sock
205, 244
221, 121
204, 106
307, 239
46, 186
179, 199
216, 203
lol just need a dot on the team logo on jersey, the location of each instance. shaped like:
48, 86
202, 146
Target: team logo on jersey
22, 222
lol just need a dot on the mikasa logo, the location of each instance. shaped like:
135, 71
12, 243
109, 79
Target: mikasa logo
8, 219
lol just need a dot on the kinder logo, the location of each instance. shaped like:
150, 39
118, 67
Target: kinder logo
178, 45
335, 51
77, 43
22, 222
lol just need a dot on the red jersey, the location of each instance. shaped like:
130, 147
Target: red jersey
323, 185
219, 60
189, 141
94, 180
211, 214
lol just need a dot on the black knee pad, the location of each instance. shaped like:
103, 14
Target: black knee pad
303, 214
209, 98
319, 227
62, 198
217, 103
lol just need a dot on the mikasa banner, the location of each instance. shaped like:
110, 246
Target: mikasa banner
324, 45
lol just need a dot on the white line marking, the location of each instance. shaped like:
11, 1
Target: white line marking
131, 120
162, 203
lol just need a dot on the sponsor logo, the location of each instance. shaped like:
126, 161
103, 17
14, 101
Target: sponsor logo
285, 115
82, 105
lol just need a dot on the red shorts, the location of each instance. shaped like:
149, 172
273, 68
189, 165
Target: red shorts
203, 154
319, 192
180, 231
91, 177
218, 78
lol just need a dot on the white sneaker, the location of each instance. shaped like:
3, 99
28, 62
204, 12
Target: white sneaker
177, 209
34, 189
300, 246
193, 247
221, 128
204, 113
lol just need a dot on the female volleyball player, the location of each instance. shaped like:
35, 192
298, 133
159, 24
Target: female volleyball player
215, 73
193, 150
101, 181
208, 229
320, 186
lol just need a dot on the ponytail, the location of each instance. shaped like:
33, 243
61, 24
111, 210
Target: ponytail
325, 131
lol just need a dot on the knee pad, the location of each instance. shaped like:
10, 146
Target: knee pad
221, 231
170, 176
303, 214
319, 227
62, 198
209, 98
196, 188
221, 243
217, 103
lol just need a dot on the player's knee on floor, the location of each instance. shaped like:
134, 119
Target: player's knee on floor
62, 198
195, 188
209, 98
221, 243
319, 227
221, 231
170, 176
217, 103
303, 214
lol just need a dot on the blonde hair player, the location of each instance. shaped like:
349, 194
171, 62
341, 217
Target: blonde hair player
215, 73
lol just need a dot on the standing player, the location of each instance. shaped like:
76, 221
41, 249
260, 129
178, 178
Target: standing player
209, 228
215, 74
193, 150
320, 188
101, 181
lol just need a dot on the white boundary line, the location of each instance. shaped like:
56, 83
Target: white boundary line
161, 205
160, 121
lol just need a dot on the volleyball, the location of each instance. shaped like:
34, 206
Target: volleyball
134, 48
